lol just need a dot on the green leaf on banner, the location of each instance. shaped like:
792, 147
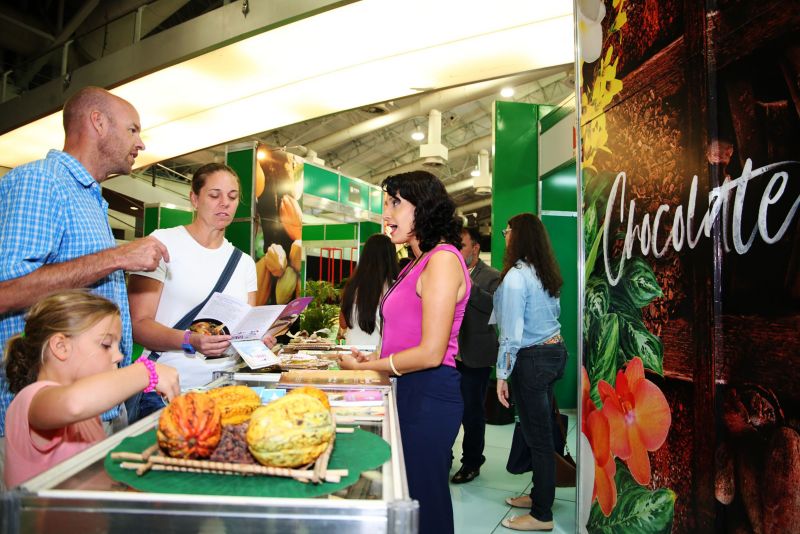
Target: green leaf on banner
591, 258
637, 340
597, 296
638, 508
589, 225
603, 353
639, 282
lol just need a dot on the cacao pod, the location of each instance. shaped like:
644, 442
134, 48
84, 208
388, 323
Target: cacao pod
276, 260
190, 426
314, 392
286, 287
296, 256
235, 403
290, 431
291, 217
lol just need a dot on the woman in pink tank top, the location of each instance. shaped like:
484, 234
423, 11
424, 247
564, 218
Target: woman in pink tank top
422, 314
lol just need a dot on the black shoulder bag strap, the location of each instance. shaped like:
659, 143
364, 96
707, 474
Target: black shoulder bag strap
184, 322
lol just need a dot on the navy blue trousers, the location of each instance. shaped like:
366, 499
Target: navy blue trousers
474, 381
535, 371
429, 407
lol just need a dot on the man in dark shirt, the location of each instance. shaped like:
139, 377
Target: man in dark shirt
477, 342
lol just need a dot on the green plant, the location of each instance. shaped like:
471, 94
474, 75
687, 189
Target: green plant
323, 311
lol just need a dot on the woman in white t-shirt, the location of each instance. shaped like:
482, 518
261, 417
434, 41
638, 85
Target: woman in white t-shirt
198, 255
376, 271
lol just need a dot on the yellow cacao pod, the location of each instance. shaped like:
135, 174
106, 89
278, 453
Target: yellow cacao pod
296, 255
291, 217
289, 432
313, 392
276, 260
235, 403
286, 288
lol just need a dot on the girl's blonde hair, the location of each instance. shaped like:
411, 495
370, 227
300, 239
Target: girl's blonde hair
69, 312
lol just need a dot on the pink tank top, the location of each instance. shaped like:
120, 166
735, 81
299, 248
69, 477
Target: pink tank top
401, 309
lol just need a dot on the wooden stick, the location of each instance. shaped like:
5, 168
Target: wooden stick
333, 476
321, 465
223, 466
345, 430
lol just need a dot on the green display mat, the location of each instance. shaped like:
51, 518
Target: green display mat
356, 452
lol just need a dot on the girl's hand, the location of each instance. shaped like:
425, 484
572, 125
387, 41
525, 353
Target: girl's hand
348, 362
364, 356
502, 392
210, 345
269, 341
168, 381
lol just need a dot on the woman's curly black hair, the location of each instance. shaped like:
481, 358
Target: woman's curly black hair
434, 210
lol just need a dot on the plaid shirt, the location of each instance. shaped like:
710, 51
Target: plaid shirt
52, 211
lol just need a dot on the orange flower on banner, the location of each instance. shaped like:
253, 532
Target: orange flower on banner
594, 426
638, 416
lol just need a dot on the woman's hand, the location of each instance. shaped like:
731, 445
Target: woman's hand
210, 346
502, 392
363, 356
168, 381
269, 341
348, 362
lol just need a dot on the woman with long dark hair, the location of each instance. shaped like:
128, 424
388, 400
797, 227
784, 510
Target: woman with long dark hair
532, 354
422, 315
376, 271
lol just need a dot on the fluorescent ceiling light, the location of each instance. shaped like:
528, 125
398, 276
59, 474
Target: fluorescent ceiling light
337, 60
417, 135
475, 172
507, 92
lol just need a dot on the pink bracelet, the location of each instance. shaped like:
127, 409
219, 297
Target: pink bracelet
151, 368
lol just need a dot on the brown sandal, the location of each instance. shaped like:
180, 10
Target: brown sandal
523, 501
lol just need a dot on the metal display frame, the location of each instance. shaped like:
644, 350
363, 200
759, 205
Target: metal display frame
54, 501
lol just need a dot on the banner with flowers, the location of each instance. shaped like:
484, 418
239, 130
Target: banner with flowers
690, 175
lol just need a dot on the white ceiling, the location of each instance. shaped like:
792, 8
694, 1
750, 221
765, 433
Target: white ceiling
293, 81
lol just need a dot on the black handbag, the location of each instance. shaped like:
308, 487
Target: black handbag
519, 456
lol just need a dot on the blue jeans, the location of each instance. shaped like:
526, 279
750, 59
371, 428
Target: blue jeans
474, 381
535, 371
429, 407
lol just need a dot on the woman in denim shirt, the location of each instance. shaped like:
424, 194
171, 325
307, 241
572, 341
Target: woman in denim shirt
532, 353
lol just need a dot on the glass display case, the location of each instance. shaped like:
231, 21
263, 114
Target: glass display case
79, 496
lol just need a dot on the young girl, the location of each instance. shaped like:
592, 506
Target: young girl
63, 370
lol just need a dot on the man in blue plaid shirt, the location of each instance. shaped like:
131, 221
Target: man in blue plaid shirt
54, 231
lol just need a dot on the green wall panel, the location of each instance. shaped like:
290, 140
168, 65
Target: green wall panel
240, 234
563, 233
376, 200
367, 229
560, 188
314, 232
320, 182
156, 217
340, 231
354, 193
242, 161
516, 160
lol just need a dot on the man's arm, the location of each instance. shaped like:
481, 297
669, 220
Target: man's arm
140, 255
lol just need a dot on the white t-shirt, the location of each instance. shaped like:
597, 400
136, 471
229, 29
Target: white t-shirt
356, 336
188, 278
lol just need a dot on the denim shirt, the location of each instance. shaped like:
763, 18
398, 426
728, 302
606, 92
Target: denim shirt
526, 315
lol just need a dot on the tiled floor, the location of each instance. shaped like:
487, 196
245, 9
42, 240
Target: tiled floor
479, 506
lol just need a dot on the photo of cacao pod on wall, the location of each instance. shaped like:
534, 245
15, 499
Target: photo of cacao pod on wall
690, 132
278, 239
